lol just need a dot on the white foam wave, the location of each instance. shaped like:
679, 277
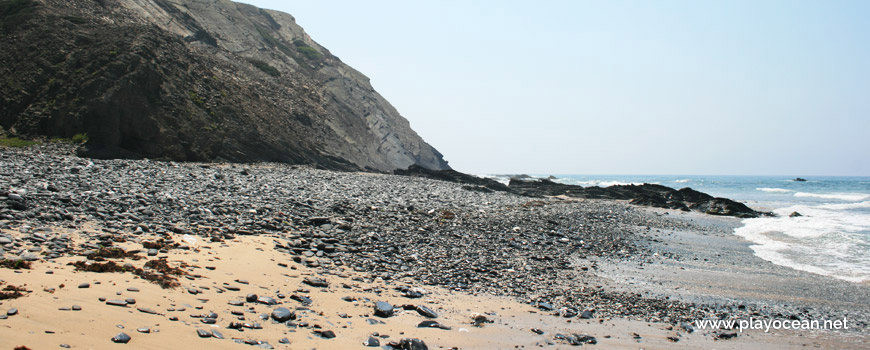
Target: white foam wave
682, 181
853, 197
829, 239
773, 190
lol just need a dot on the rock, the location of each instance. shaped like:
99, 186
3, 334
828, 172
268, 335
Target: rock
116, 302
121, 338
372, 342
85, 285
12, 312
302, 299
145, 330
267, 300
725, 335
326, 334
216, 334
383, 309
282, 314
586, 315
480, 320
409, 344
426, 312
203, 334
251, 298
432, 324
797, 179
687, 327
315, 282
545, 306
794, 214
130, 301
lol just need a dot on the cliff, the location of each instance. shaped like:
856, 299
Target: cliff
193, 80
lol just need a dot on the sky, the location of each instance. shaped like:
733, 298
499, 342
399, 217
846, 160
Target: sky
616, 87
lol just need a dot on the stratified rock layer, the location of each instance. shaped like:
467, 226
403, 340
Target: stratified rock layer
193, 80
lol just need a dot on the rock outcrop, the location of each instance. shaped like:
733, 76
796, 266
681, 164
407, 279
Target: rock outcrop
647, 195
193, 80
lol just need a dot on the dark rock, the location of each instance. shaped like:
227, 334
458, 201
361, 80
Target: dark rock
203, 334
426, 312
409, 344
797, 179
586, 315
121, 338
283, 314
267, 300
85, 285
325, 334
383, 309
251, 298
451, 176
12, 312
794, 214
372, 342
726, 335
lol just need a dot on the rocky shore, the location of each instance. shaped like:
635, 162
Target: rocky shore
302, 239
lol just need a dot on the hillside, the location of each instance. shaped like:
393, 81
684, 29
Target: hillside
193, 81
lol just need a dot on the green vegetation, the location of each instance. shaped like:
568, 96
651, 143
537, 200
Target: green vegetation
15, 264
80, 138
196, 99
75, 20
13, 13
273, 42
15, 142
309, 52
265, 67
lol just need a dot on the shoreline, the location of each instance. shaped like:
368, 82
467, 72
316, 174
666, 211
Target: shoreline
620, 262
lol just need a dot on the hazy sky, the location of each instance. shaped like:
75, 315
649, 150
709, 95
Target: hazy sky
617, 87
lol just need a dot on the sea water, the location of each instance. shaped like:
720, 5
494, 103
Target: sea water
831, 237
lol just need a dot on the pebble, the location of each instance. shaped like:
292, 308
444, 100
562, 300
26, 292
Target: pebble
426, 312
383, 309
121, 338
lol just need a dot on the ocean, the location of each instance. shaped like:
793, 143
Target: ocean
831, 237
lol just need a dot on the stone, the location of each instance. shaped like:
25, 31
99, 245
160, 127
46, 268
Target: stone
282, 314
326, 334
121, 338
267, 300
383, 309
409, 344
85, 285
251, 298
372, 342
315, 282
116, 302
426, 312
203, 334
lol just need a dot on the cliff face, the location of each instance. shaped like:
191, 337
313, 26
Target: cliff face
193, 80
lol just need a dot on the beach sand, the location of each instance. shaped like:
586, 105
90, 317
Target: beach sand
40, 324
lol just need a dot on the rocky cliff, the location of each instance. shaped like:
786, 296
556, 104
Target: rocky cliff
193, 80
